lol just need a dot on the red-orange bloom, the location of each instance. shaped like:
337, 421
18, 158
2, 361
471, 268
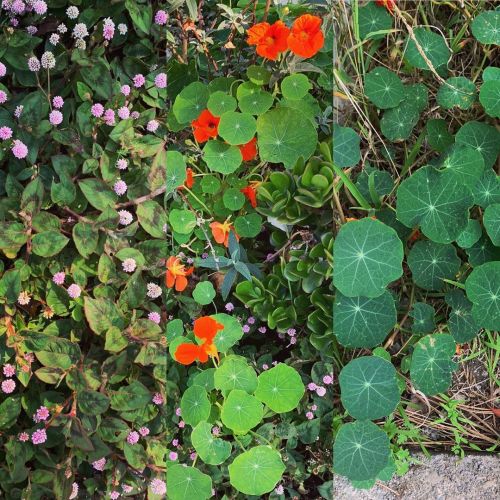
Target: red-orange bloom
388, 4
306, 37
250, 193
176, 274
205, 126
249, 150
189, 182
269, 39
205, 328
221, 230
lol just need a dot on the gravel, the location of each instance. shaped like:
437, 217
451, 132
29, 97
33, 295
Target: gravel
441, 477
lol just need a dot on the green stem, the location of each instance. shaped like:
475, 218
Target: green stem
258, 436
351, 187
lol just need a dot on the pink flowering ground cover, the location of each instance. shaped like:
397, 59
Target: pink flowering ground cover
82, 249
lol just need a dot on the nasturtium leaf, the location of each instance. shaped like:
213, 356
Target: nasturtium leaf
487, 189
48, 243
361, 450
483, 290
205, 378
195, 407
280, 388
437, 201
175, 329
204, 293
432, 262
247, 88
482, 137
191, 101
232, 332
368, 388
491, 221
237, 128
233, 199
438, 134
382, 182
465, 162
486, 27
212, 450
489, 96
258, 75
367, 256
417, 95
295, 86
235, 373
346, 150
461, 324
432, 44
186, 483
210, 184
182, 221
256, 471
241, 411
423, 318
220, 103
491, 73
457, 92
431, 363
482, 251
221, 157
398, 123
384, 88
256, 104
284, 136
373, 18
176, 170
470, 235
361, 321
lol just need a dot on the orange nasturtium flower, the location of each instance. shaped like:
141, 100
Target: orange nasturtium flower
250, 192
388, 4
205, 126
205, 328
269, 39
306, 37
189, 182
176, 274
221, 230
249, 150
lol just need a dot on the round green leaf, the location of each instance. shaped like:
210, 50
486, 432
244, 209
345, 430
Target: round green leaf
367, 256
491, 221
232, 332
212, 450
204, 293
368, 388
186, 483
417, 95
432, 44
280, 388
241, 411
486, 27
491, 73
248, 226
205, 379
470, 234
191, 101
220, 103
361, 321
437, 201
487, 189
235, 373
346, 150
432, 262
431, 363
489, 96
384, 88
237, 128
284, 136
195, 407
438, 135
361, 450
461, 324
371, 19
257, 103
482, 251
457, 92
222, 158
466, 163
258, 75
397, 123
233, 199
483, 290
482, 137
182, 221
256, 471
295, 86
210, 184
176, 170
423, 318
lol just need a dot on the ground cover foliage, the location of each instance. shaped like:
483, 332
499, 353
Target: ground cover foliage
416, 255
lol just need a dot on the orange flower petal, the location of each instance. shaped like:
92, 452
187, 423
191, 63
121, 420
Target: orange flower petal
206, 328
170, 279
180, 283
187, 353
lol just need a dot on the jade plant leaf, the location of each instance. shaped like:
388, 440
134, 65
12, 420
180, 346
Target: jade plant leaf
367, 256
368, 388
431, 363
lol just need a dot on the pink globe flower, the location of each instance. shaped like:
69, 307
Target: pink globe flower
108, 29
99, 464
127, 488
135, 115
5, 133
161, 80
74, 491
3, 70
40, 7
114, 495
55, 117
19, 149
129, 265
58, 102
133, 437
158, 487
125, 217
309, 415
143, 431
3, 97
18, 7
74, 291
152, 126
41, 414
327, 379
34, 64
124, 112
125, 90
321, 391
158, 399
59, 278
154, 317
139, 80
161, 18
9, 370
109, 117
122, 164
312, 386
39, 436
154, 291
97, 110
173, 456
23, 437
120, 187
8, 386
